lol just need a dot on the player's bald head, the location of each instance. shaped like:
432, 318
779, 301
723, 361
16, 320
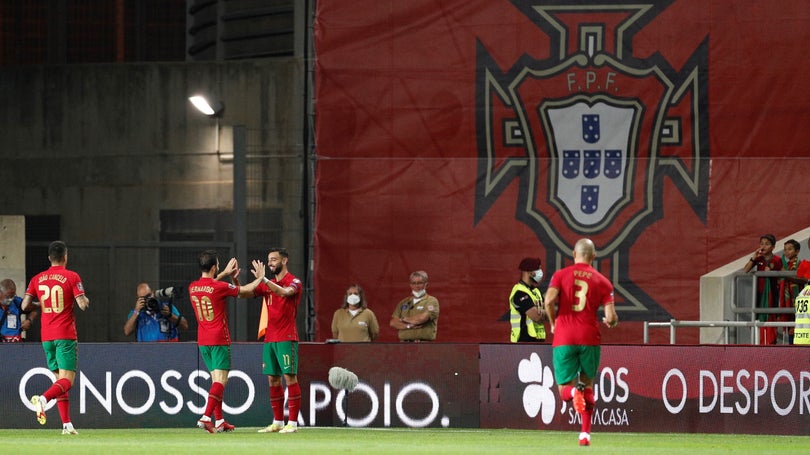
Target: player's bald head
585, 250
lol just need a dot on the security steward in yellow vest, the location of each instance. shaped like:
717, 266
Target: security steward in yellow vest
801, 334
526, 313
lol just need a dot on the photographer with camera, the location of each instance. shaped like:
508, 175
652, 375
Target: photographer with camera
154, 317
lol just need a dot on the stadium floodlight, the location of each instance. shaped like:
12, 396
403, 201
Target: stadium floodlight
215, 109
211, 109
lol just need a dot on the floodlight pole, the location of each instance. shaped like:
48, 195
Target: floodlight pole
240, 216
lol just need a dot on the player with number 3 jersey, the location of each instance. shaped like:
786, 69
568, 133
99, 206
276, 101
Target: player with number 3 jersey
577, 292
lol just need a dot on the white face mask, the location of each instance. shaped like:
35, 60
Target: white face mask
353, 299
537, 275
418, 294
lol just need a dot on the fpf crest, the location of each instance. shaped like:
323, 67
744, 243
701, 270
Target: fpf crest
591, 133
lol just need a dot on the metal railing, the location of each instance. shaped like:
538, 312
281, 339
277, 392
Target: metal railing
726, 325
742, 305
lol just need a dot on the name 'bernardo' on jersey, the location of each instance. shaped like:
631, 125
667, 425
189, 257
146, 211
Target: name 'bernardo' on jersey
204, 289
53, 276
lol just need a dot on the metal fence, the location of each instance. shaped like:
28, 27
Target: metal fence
742, 308
751, 326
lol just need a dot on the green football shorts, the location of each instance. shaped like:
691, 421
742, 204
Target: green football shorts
571, 360
216, 357
61, 354
280, 357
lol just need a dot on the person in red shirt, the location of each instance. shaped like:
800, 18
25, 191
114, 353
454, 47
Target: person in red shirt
578, 291
789, 287
763, 260
209, 298
280, 296
57, 290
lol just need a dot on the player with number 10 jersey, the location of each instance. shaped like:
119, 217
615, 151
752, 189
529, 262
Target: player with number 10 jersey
209, 298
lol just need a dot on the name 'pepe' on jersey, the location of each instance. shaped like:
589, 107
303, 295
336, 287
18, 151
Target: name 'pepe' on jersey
582, 291
209, 298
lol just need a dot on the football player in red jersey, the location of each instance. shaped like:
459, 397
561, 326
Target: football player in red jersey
578, 291
57, 289
281, 296
209, 298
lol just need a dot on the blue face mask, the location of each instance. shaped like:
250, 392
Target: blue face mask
537, 275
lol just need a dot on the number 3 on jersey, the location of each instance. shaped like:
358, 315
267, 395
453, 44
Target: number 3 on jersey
581, 294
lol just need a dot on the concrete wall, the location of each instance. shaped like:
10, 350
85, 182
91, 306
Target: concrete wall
107, 147
12, 250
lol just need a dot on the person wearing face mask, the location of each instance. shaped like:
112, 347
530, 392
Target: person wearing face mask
416, 316
354, 322
13, 320
526, 312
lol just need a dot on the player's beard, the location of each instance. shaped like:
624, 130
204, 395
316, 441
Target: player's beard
276, 271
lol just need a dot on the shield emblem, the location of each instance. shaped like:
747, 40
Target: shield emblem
586, 132
593, 140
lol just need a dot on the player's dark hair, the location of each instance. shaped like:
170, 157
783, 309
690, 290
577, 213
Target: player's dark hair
208, 259
57, 251
281, 252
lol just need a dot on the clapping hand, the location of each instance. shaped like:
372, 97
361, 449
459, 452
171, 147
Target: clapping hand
258, 269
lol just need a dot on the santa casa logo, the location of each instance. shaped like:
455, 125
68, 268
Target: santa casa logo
591, 133
539, 395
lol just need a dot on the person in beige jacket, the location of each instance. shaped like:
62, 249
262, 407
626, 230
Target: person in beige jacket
354, 321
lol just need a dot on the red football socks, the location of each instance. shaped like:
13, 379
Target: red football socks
589, 405
294, 400
58, 388
214, 403
63, 405
277, 402
567, 393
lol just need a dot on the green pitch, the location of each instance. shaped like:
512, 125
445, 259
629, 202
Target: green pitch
385, 441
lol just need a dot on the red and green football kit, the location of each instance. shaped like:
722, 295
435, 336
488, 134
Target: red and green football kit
280, 350
281, 311
56, 289
582, 290
209, 300
577, 351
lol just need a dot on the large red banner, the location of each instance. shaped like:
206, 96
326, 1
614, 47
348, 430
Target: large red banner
458, 137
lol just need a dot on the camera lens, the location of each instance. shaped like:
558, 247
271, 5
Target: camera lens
151, 304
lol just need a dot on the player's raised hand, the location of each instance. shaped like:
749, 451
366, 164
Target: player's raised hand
231, 266
258, 269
